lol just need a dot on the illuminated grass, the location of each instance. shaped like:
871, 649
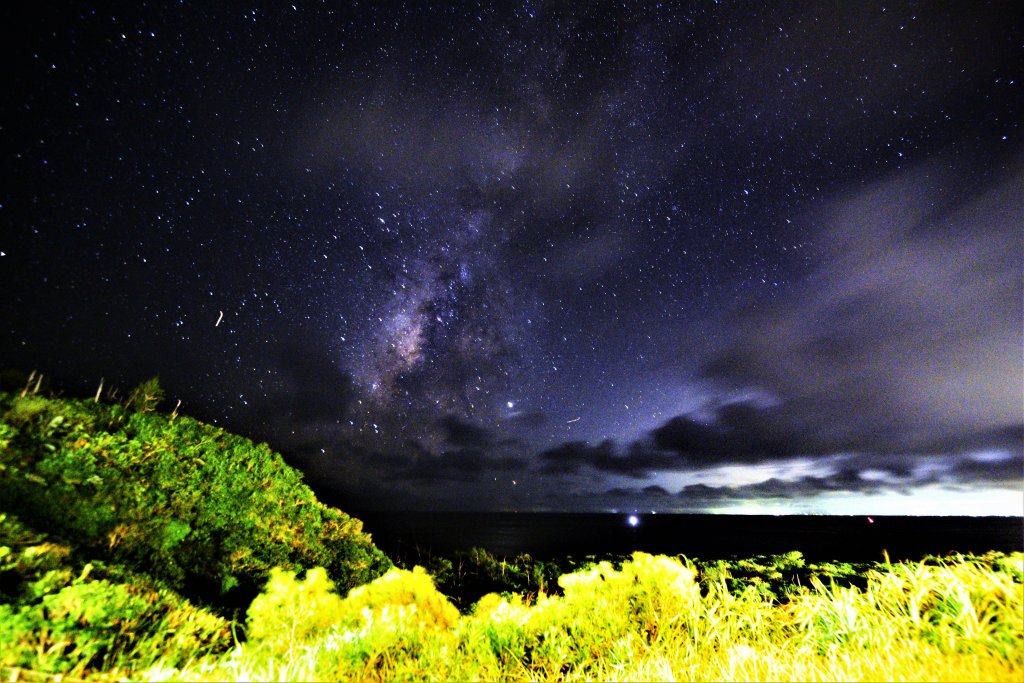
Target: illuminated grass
650, 620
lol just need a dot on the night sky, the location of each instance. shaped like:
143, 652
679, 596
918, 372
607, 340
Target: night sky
702, 257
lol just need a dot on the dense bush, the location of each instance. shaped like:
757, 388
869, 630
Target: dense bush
59, 613
207, 512
291, 612
369, 630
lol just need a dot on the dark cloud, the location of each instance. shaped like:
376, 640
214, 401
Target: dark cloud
746, 432
989, 468
738, 432
464, 434
1005, 438
465, 464
742, 433
652, 492
411, 476
573, 456
803, 487
655, 491
696, 495
704, 493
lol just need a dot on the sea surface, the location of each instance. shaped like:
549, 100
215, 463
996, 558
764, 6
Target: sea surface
550, 535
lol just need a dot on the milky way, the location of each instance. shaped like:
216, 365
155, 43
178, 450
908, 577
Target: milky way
539, 255
449, 332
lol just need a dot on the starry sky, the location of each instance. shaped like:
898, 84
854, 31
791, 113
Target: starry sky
697, 257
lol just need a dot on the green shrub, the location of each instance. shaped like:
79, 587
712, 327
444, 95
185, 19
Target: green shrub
205, 511
58, 615
398, 618
103, 625
289, 611
399, 588
370, 629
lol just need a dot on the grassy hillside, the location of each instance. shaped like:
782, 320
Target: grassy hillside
112, 504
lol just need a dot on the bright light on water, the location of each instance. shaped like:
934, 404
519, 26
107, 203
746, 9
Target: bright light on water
633, 520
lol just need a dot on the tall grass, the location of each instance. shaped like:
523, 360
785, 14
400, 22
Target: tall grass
962, 619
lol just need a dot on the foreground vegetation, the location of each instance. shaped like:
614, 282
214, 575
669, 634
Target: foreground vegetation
141, 545
651, 619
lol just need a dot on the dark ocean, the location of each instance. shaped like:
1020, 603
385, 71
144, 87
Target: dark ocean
550, 535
